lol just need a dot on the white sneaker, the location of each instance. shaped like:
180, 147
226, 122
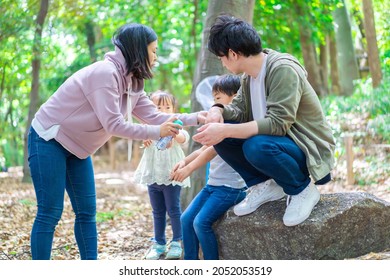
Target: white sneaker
257, 196
299, 206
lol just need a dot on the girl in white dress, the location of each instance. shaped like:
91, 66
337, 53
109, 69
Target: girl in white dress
154, 172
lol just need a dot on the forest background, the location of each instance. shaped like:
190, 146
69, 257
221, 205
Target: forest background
344, 45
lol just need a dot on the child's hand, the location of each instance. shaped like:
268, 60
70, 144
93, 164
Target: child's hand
180, 174
178, 165
147, 143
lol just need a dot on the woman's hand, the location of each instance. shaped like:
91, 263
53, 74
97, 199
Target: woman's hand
169, 128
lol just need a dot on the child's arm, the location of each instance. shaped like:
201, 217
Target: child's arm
188, 159
181, 171
183, 137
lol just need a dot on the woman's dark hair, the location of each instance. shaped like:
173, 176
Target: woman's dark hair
227, 84
232, 33
133, 40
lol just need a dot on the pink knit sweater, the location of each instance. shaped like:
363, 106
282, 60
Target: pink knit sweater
91, 106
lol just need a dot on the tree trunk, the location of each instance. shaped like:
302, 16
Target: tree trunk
34, 93
309, 54
334, 75
348, 68
209, 65
372, 44
91, 39
324, 57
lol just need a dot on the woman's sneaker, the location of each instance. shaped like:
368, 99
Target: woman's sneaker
174, 251
156, 251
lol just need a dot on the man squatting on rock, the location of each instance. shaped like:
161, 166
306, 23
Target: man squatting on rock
280, 133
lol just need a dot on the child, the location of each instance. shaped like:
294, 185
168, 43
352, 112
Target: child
224, 187
154, 171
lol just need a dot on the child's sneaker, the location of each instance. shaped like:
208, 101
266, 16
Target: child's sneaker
156, 251
175, 251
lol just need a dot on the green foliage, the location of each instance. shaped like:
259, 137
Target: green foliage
107, 216
278, 22
27, 202
179, 25
374, 104
104, 216
366, 116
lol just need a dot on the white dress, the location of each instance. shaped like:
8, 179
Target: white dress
155, 165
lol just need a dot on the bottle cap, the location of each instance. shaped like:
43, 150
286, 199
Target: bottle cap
178, 122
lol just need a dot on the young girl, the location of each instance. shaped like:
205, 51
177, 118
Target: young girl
154, 171
85, 111
224, 187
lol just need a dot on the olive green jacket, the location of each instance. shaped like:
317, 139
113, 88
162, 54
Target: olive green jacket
293, 108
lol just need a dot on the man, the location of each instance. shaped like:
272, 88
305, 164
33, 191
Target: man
282, 132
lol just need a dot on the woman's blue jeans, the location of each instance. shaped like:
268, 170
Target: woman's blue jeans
165, 199
262, 157
197, 220
54, 170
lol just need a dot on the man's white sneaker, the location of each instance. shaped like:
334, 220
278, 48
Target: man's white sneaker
257, 196
299, 206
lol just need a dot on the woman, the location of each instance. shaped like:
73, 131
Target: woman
78, 119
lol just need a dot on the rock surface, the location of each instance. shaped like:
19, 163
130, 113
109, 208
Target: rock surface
341, 226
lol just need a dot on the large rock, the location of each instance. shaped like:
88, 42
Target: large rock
342, 225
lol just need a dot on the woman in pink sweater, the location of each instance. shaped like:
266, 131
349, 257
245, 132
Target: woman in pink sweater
86, 110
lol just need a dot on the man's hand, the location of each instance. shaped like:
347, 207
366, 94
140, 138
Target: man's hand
211, 133
201, 117
214, 115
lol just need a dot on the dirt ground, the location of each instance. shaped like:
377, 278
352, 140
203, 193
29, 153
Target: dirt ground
124, 217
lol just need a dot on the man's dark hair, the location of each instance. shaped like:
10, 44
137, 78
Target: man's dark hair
232, 33
133, 40
227, 84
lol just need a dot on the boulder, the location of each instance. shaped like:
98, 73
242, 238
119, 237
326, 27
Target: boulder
341, 226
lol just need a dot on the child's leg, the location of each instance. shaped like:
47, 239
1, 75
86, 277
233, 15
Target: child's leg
172, 203
190, 240
220, 200
157, 201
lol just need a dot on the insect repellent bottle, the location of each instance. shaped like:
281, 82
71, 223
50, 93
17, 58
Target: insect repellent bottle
164, 141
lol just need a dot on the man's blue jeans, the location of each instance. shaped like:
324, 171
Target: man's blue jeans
54, 170
197, 220
262, 157
165, 199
